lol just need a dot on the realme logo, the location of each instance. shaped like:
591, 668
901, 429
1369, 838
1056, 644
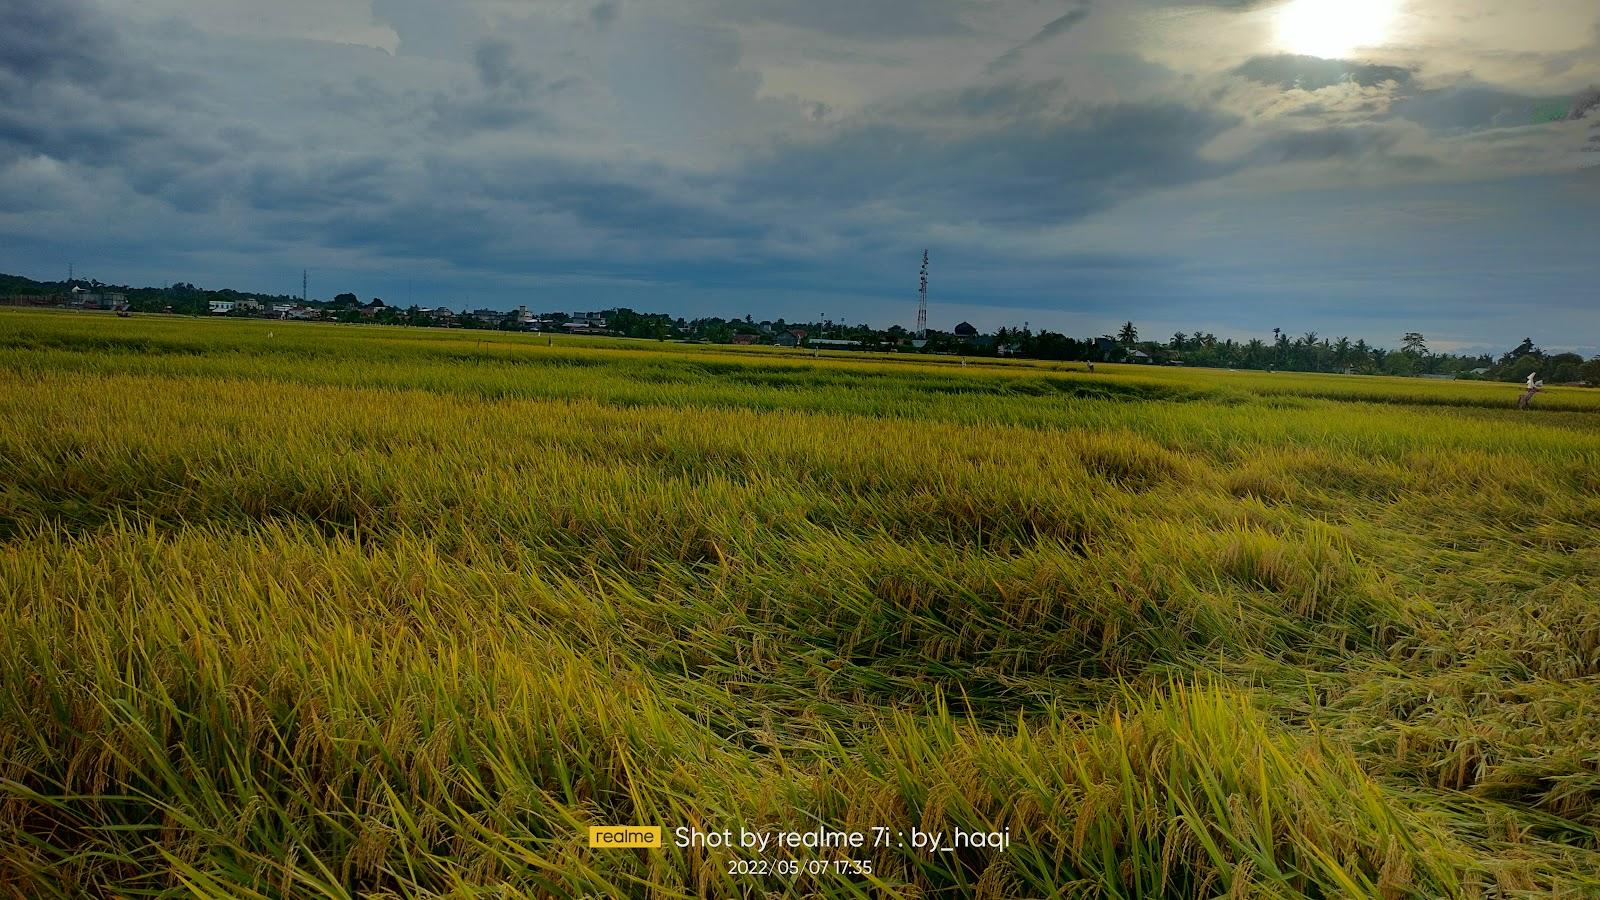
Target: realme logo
625, 836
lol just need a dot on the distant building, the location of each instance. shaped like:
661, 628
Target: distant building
222, 307
966, 331
585, 323
832, 344
1138, 356
442, 313
785, 339
488, 316
744, 340
79, 298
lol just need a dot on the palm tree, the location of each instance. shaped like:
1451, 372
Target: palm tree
1129, 334
1254, 352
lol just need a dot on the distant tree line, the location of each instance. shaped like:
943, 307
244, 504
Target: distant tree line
1308, 352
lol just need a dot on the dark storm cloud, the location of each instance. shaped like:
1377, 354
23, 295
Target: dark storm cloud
70, 90
425, 228
618, 206
50, 44
56, 39
1472, 106
1310, 73
512, 93
866, 20
1003, 100
275, 184
605, 13
1058, 26
1047, 170
1052, 30
76, 128
506, 75
506, 215
497, 68
1336, 143
463, 116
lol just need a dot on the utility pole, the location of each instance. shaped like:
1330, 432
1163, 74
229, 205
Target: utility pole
305, 286
922, 302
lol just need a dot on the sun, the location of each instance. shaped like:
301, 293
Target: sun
1333, 29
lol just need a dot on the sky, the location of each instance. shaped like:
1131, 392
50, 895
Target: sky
1349, 167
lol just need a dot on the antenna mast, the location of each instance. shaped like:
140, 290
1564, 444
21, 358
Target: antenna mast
922, 303
305, 285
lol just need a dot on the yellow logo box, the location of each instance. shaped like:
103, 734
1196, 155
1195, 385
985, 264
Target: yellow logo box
617, 836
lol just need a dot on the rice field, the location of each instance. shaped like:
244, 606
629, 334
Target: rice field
295, 610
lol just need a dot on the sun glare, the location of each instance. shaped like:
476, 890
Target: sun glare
1333, 29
